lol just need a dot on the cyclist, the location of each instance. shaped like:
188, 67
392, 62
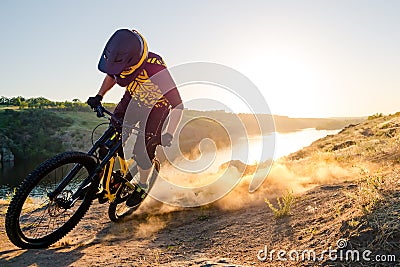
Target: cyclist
150, 98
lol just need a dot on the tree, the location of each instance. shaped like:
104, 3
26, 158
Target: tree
4, 100
23, 105
16, 101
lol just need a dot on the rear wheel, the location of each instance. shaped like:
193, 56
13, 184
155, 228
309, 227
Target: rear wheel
35, 221
118, 209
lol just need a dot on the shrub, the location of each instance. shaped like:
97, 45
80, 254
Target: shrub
375, 116
285, 203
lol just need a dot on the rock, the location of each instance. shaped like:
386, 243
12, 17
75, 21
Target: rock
6, 155
223, 260
390, 133
348, 126
367, 132
343, 145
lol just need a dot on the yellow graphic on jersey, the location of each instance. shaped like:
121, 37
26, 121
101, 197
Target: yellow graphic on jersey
145, 92
154, 60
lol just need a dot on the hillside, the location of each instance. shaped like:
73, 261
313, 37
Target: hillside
346, 187
41, 133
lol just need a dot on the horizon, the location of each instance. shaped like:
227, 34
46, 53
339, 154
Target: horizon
308, 59
204, 110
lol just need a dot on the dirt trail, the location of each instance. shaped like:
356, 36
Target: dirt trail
191, 237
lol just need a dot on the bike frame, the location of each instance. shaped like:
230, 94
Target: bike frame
109, 135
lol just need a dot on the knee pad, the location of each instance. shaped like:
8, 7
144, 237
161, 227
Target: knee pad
144, 161
144, 153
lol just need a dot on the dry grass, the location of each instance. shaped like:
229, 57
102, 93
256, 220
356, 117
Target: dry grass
369, 194
386, 220
285, 203
380, 202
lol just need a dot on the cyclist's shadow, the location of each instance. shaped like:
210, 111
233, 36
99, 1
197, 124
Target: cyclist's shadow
142, 224
40, 257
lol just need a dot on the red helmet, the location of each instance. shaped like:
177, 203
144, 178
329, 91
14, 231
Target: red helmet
125, 50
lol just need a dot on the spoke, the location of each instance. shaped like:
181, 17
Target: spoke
55, 179
41, 206
41, 217
48, 225
64, 217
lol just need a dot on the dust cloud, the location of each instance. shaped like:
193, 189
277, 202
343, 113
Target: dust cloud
297, 176
283, 174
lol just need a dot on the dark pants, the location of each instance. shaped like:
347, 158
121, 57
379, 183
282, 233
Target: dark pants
150, 120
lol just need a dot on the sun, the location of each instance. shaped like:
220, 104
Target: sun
290, 84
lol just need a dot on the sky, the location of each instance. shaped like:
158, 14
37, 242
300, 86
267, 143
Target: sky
307, 58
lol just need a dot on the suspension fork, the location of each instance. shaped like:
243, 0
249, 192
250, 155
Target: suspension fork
67, 179
77, 167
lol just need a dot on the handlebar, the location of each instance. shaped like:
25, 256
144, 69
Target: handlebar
100, 111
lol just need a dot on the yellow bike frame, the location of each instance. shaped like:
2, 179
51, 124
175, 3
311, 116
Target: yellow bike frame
105, 181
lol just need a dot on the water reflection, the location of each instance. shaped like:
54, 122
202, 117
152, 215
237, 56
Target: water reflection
286, 143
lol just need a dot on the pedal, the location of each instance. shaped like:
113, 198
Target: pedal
125, 180
102, 198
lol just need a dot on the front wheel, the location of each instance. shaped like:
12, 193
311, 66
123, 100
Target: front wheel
33, 219
118, 209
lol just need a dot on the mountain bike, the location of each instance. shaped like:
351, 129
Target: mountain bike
53, 198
